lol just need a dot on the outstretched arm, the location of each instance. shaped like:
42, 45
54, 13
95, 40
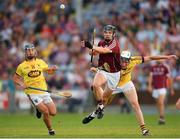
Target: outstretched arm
150, 83
159, 57
51, 70
169, 77
99, 50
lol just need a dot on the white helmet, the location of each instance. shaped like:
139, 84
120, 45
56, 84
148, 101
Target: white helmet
126, 55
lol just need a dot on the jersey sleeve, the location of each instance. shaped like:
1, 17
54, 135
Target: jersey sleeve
137, 60
19, 70
44, 65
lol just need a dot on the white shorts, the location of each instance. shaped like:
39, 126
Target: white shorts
112, 78
157, 92
123, 89
38, 98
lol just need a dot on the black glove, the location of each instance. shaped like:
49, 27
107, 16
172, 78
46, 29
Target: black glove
88, 44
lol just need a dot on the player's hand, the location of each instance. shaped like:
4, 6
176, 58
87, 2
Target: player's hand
93, 53
86, 44
54, 67
23, 86
172, 57
93, 69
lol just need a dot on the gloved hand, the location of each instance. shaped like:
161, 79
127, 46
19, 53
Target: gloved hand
88, 44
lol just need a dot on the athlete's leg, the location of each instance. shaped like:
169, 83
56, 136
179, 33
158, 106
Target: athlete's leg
107, 95
46, 117
47, 100
100, 108
99, 111
40, 102
107, 99
178, 104
52, 108
131, 96
161, 106
98, 82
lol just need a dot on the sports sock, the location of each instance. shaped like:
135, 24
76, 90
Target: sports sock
161, 117
101, 106
143, 127
94, 114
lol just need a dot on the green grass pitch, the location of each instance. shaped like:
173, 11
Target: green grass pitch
70, 126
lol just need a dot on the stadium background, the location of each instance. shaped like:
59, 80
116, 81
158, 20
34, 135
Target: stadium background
144, 27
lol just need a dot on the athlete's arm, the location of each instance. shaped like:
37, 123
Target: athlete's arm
97, 49
150, 83
94, 52
159, 57
51, 70
19, 81
169, 77
102, 50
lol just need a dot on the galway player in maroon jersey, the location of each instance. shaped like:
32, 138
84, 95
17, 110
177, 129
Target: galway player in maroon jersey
108, 73
159, 75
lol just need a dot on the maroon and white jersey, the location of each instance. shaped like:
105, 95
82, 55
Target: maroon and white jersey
112, 59
159, 76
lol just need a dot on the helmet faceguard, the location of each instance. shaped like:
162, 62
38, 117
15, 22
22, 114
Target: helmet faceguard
29, 46
125, 56
110, 28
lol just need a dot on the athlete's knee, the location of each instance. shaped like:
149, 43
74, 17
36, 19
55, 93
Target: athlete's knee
53, 113
95, 85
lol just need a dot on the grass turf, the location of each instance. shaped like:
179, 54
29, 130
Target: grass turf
70, 126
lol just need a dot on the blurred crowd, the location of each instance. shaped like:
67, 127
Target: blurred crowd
145, 27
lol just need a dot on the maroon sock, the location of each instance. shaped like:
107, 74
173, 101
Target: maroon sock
161, 117
100, 102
